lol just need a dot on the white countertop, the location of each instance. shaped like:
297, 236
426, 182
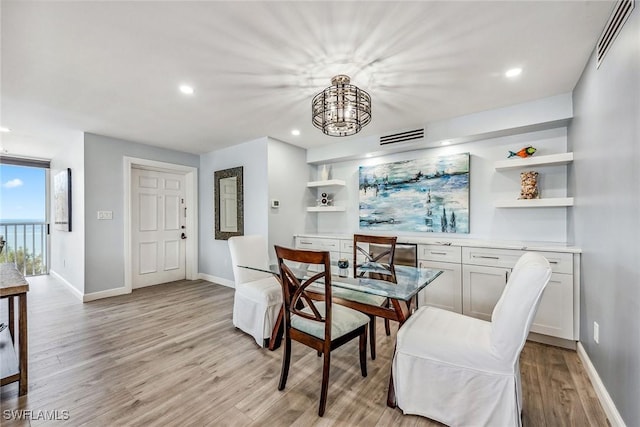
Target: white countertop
474, 243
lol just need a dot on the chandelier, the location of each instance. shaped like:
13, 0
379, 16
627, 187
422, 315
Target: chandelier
341, 109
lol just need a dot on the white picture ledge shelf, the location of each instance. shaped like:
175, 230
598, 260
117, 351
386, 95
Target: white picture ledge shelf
548, 160
327, 183
535, 203
326, 209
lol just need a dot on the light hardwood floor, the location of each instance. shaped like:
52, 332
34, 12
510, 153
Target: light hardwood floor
169, 355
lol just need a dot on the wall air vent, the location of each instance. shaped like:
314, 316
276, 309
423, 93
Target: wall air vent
618, 17
402, 137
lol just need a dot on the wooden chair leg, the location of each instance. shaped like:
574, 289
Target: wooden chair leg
372, 338
286, 360
325, 382
387, 326
363, 352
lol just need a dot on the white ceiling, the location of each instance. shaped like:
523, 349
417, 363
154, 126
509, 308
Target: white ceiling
113, 68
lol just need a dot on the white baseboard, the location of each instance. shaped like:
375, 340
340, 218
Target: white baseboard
603, 395
75, 291
218, 280
105, 294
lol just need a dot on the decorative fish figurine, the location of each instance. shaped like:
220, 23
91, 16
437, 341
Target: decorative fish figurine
524, 153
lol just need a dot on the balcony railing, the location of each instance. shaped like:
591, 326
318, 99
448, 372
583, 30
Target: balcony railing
26, 246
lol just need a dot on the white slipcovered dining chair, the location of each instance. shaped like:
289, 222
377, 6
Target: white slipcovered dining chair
464, 371
258, 296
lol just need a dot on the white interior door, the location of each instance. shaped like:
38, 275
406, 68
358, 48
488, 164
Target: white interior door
157, 227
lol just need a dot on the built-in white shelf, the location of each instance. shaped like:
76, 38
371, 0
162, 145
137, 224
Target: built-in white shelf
327, 183
548, 160
326, 209
535, 203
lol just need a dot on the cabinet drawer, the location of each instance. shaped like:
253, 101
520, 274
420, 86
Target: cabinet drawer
439, 253
346, 246
491, 257
559, 262
317, 244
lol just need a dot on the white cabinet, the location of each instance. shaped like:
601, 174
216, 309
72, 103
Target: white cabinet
555, 312
485, 274
320, 244
337, 183
445, 292
473, 279
481, 289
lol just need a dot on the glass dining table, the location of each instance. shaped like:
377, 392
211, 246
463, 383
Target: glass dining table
400, 284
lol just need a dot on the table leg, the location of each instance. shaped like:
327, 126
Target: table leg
277, 332
11, 320
23, 385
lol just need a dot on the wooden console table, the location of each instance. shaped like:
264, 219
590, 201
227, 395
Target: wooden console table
12, 368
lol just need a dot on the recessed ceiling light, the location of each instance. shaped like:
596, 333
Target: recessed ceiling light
295, 132
369, 155
3, 129
187, 90
445, 142
514, 72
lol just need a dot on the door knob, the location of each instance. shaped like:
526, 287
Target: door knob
183, 236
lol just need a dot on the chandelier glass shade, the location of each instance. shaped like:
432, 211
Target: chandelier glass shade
341, 109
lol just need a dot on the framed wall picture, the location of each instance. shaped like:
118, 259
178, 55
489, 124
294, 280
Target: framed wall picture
62, 199
429, 194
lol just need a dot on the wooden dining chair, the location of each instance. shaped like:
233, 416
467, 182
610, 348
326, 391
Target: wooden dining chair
320, 325
378, 250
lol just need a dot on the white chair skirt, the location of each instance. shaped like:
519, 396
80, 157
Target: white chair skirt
457, 383
256, 306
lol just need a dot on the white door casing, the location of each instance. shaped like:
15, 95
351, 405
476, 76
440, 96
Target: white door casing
157, 225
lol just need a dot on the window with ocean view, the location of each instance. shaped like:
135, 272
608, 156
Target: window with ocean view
23, 218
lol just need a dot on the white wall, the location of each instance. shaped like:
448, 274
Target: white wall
605, 136
487, 186
288, 176
68, 248
252, 156
532, 116
104, 190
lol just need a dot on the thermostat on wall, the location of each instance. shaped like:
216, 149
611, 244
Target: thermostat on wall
275, 203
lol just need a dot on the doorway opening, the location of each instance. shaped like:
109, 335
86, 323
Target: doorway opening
161, 222
24, 227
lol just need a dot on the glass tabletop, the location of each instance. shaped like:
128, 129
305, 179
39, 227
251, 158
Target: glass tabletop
409, 280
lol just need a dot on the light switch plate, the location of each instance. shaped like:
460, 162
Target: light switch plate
105, 214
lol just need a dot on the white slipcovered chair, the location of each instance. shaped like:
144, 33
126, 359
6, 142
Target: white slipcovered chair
464, 371
258, 296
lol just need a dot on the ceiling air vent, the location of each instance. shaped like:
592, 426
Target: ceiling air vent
402, 137
618, 17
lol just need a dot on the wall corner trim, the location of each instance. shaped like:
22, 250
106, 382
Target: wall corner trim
603, 395
217, 280
65, 282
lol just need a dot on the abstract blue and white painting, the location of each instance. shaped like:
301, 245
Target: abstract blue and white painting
430, 195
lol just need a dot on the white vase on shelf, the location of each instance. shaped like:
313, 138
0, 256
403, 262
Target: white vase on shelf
325, 173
